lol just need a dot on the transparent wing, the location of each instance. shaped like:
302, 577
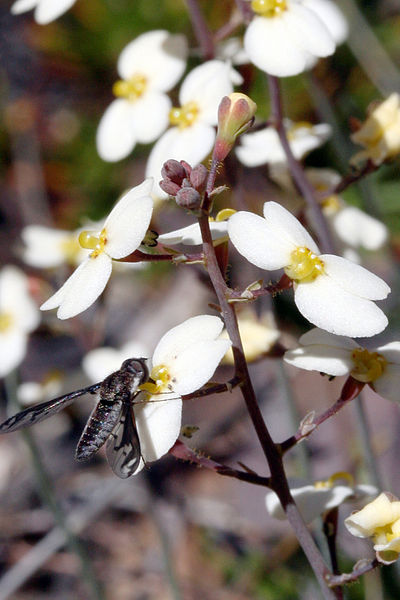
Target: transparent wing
35, 414
123, 446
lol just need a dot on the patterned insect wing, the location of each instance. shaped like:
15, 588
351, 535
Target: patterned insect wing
35, 414
123, 446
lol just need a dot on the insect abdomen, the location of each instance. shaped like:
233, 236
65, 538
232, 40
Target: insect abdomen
98, 428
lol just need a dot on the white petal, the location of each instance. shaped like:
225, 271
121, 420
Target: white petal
81, 289
48, 10
258, 241
354, 227
391, 352
195, 365
260, 148
332, 17
319, 336
388, 384
12, 350
318, 357
183, 336
288, 226
158, 425
191, 144
311, 501
158, 55
191, 235
307, 30
306, 139
115, 136
150, 116
129, 220
325, 304
271, 48
101, 362
16, 301
21, 6
207, 85
354, 278
378, 513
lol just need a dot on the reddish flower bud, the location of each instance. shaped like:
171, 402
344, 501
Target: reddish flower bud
198, 178
188, 198
173, 170
235, 116
169, 187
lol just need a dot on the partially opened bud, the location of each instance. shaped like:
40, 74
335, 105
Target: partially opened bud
235, 116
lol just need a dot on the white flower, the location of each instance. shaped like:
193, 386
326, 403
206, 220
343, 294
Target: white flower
380, 519
191, 235
336, 355
184, 360
101, 362
232, 49
18, 316
258, 335
123, 232
352, 226
264, 146
47, 248
149, 66
193, 134
32, 392
286, 36
45, 10
331, 292
313, 500
380, 134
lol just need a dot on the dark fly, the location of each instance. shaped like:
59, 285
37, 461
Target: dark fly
112, 419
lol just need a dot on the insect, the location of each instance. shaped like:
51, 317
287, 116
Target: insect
111, 421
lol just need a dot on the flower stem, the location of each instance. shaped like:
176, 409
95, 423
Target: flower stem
296, 170
201, 30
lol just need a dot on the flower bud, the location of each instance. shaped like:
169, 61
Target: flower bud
198, 178
169, 187
235, 116
188, 198
173, 170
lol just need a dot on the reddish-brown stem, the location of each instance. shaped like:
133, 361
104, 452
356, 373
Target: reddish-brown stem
363, 566
351, 178
350, 390
183, 452
200, 29
139, 256
278, 478
217, 388
296, 170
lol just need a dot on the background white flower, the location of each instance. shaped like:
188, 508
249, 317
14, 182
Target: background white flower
45, 10
149, 66
46, 247
331, 292
101, 362
19, 316
313, 500
336, 355
123, 232
286, 36
264, 146
184, 360
191, 235
193, 134
258, 334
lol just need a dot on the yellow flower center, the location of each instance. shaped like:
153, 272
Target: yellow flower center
223, 215
6, 321
185, 116
130, 89
305, 266
91, 241
333, 479
160, 383
268, 8
70, 248
368, 366
291, 132
331, 204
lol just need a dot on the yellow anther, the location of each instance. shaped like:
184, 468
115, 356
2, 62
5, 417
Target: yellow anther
184, 116
6, 320
70, 248
160, 377
224, 214
91, 241
305, 266
331, 204
130, 89
368, 366
268, 8
334, 479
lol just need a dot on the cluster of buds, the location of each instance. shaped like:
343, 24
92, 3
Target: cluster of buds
185, 183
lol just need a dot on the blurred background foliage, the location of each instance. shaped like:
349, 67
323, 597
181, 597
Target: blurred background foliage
175, 532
